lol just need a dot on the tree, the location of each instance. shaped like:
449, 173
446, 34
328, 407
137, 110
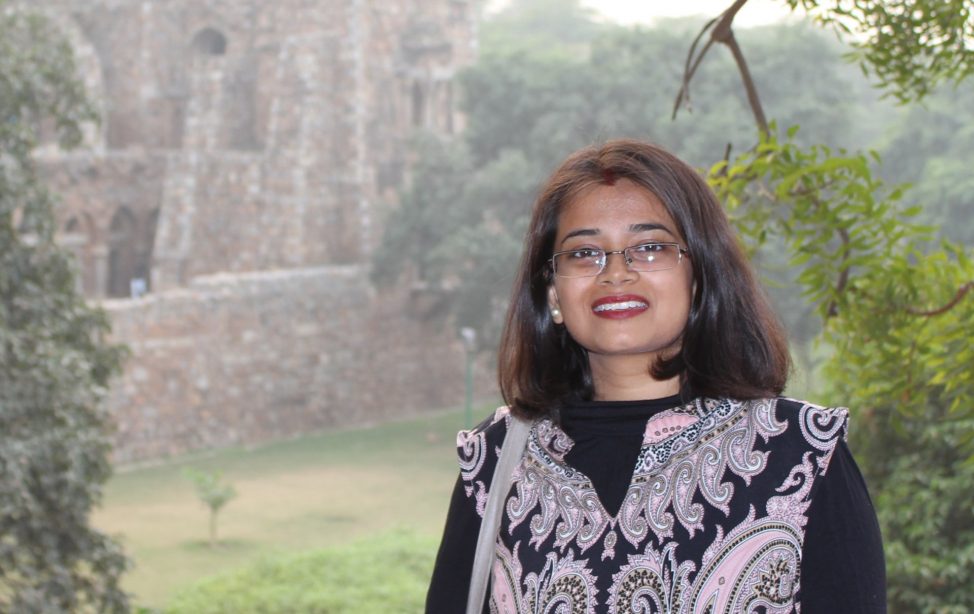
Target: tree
55, 364
896, 308
214, 493
910, 46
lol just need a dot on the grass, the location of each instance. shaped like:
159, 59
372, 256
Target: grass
388, 573
316, 492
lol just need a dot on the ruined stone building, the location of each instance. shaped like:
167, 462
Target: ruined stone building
237, 183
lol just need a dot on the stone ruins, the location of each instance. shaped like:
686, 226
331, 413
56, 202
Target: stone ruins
225, 209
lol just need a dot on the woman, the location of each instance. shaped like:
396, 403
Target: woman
663, 472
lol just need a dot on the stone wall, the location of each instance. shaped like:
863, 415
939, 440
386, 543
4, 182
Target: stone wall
276, 132
244, 359
247, 153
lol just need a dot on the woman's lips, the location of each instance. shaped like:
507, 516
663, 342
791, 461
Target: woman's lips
618, 307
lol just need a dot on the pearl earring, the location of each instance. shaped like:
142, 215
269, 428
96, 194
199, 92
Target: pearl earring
555, 312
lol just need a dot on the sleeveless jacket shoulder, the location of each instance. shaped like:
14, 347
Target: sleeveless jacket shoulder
478, 450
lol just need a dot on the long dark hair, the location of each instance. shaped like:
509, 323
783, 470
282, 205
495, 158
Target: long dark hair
733, 344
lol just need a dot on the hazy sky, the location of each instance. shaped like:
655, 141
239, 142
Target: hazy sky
755, 12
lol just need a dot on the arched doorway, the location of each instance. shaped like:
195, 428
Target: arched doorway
121, 253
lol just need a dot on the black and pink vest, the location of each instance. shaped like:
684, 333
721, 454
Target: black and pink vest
713, 520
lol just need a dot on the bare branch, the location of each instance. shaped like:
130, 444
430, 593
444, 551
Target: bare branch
721, 32
691, 65
958, 296
752, 91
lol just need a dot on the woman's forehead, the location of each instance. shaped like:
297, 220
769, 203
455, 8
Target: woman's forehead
621, 207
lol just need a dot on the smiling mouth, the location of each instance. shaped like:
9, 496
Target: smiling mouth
620, 306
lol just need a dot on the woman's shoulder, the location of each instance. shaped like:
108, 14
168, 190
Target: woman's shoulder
783, 420
799, 405
782, 409
478, 450
794, 424
492, 429
480, 446
824, 422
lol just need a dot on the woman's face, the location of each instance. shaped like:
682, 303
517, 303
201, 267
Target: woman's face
621, 313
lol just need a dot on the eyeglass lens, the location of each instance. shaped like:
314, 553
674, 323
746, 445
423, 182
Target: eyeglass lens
589, 262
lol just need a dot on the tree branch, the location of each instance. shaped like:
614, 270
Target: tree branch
721, 32
752, 91
843, 281
958, 296
691, 65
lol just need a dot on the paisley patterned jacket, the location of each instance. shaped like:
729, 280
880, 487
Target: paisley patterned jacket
713, 520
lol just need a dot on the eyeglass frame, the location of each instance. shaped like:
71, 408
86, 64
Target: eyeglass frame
625, 254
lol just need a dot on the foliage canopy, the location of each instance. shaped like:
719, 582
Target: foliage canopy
54, 363
910, 46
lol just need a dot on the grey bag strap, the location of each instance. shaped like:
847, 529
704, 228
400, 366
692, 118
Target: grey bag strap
511, 452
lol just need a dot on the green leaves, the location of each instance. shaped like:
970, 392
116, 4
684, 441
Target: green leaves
211, 489
54, 364
897, 314
873, 275
213, 492
911, 46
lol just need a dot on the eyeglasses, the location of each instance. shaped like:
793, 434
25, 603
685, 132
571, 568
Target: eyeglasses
590, 261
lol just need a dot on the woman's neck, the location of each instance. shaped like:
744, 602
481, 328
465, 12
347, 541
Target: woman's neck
628, 378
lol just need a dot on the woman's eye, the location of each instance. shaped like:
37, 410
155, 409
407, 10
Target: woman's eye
584, 254
649, 248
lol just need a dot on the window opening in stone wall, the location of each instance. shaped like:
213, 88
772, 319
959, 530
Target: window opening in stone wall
121, 254
143, 269
210, 42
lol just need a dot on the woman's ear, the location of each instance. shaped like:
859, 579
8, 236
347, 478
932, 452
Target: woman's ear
553, 306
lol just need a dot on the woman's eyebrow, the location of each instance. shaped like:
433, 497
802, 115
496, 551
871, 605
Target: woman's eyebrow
642, 227
581, 232
647, 226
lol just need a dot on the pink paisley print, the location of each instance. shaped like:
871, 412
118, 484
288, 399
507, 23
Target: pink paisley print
677, 544
666, 425
563, 585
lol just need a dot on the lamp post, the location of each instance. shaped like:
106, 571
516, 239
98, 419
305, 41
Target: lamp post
469, 337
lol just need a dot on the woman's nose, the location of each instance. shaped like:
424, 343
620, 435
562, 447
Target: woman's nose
617, 267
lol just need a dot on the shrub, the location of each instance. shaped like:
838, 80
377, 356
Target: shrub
387, 574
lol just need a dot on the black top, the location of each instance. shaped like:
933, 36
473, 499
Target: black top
842, 565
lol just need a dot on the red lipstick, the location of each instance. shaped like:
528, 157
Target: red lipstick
620, 306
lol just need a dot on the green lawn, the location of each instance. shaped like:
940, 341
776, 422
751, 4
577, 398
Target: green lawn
318, 491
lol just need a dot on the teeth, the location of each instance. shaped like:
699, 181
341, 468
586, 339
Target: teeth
621, 306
